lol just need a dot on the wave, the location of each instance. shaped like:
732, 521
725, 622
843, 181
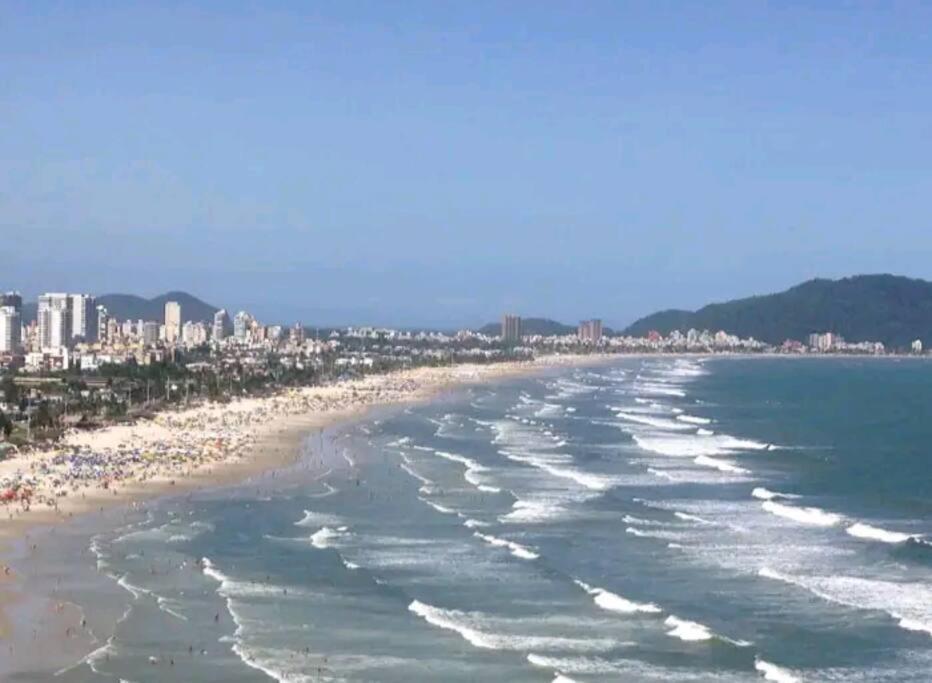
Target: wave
554, 465
326, 536
761, 493
692, 631
910, 604
657, 422
803, 515
772, 672
693, 518
516, 549
613, 602
704, 432
533, 511
316, 519
687, 630
659, 390
872, 533
437, 506
470, 627
694, 445
720, 465
692, 419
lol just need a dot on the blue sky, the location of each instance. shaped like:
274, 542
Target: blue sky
437, 163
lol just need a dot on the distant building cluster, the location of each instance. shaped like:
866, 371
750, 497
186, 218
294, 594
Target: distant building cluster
590, 331
829, 342
73, 331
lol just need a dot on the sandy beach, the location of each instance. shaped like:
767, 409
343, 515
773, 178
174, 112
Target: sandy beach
201, 446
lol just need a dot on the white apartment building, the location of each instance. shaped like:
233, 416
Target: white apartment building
11, 329
172, 322
84, 317
54, 318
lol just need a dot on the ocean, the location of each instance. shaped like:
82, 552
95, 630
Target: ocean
651, 519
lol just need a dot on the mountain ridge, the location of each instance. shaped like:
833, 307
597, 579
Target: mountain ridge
888, 308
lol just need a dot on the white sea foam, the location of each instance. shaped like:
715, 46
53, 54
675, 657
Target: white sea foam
658, 389
694, 518
720, 465
704, 432
658, 422
687, 630
317, 519
803, 515
909, 603
614, 602
474, 523
765, 494
693, 445
772, 672
438, 507
327, 537
516, 549
692, 419
691, 631
475, 628
872, 533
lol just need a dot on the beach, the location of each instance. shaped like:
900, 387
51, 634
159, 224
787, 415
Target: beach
637, 518
208, 445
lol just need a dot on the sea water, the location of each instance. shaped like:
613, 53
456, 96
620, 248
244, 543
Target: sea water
683, 519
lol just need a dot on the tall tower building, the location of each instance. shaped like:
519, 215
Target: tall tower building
511, 329
103, 327
54, 318
11, 329
84, 317
172, 322
241, 325
221, 324
150, 333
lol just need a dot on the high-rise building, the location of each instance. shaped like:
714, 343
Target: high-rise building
172, 321
11, 329
193, 333
84, 317
221, 325
103, 320
511, 329
590, 331
54, 318
241, 325
13, 299
150, 333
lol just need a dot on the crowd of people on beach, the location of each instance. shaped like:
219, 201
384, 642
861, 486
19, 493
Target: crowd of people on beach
179, 443
203, 438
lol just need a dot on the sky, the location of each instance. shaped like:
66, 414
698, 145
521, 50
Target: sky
434, 163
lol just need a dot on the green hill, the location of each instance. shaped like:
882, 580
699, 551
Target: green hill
891, 309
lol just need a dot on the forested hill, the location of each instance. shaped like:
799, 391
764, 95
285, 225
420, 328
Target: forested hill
891, 309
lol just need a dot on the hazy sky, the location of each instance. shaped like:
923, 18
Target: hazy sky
439, 162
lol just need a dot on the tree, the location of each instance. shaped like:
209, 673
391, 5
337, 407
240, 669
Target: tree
43, 418
10, 391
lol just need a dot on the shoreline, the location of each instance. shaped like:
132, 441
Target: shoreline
260, 436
